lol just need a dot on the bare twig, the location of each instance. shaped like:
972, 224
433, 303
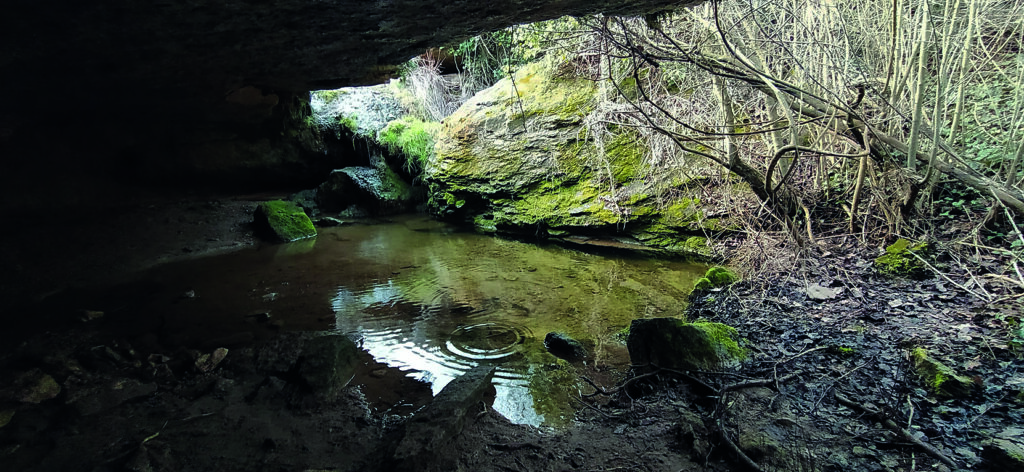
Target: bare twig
904, 434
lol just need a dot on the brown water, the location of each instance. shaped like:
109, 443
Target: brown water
429, 301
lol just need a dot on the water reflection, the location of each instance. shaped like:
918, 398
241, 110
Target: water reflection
428, 300
450, 301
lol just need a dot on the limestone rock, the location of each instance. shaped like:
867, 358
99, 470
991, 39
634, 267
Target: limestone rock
561, 345
328, 363
283, 221
516, 158
940, 378
420, 438
675, 344
818, 292
378, 189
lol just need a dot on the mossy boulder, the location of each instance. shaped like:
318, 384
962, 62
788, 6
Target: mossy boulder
379, 190
520, 158
715, 277
903, 259
283, 221
675, 344
940, 379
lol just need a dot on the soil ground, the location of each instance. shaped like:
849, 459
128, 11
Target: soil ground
125, 406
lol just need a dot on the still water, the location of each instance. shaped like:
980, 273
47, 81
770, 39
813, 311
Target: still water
434, 302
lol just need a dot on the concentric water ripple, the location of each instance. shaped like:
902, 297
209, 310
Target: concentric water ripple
487, 341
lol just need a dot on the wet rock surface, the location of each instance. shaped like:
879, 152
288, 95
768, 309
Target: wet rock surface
379, 190
561, 345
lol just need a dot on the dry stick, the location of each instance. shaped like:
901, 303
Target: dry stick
736, 449
904, 434
960, 286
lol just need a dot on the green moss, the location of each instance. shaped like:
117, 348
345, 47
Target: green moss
899, 259
5, 417
715, 277
940, 379
555, 205
330, 95
411, 137
720, 276
350, 123
683, 213
485, 223
724, 336
841, 350
625, 154
284, 221
673, 343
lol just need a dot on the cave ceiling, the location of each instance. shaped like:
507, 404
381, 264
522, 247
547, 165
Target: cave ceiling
183, 46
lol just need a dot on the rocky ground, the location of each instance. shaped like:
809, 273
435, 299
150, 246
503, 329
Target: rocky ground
827, 386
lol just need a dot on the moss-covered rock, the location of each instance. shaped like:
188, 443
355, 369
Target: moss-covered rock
940, 379
378, 190
5, 417
899, 259
518, 158
675, 344
283, 221
715, 277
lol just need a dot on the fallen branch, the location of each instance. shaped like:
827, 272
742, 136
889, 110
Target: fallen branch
960, 286
904, 434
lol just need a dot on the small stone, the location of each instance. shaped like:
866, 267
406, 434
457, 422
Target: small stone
35, 386
90, 315
819, 293
561, 345
5, 417
941, 379
208, 362
329, 222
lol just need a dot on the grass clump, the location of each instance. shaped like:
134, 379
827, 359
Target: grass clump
411, 137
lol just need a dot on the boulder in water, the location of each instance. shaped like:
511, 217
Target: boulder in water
283, 221
561, 345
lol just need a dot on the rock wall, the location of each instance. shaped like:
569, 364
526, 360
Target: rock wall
518, 158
